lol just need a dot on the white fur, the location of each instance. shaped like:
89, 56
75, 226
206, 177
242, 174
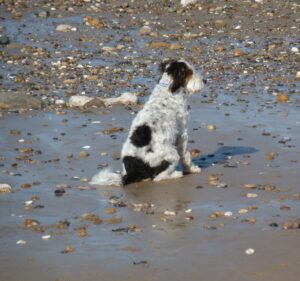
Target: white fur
107, 177
166, 113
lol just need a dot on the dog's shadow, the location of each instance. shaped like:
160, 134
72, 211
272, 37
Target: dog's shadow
222, 156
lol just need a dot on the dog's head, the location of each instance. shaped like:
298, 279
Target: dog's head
181, 74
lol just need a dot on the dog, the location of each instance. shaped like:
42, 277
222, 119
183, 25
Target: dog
158, 137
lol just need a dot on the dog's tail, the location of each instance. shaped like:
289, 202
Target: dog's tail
107, 177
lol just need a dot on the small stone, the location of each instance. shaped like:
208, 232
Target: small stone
145, 30
250, 186
291, 225
4, 39
83, 154
211, 127
271, 156
92, 217
82, 231
298, 74
95, 22
60, 102
43, 14
69, 249
31, 223
250, 251
5, 188
273, 224
243, 211
15, 132
114, 220
238, 53
251, 195
228, 214
169, 213
282, 98
110, 211
64, 28
195, 153
25, 185
219, 24
295, 50
185, 3
59, 192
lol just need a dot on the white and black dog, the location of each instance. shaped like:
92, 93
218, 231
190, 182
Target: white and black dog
158, 137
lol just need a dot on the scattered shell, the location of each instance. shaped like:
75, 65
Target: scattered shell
21, 242
243, 211
46, 237
298, 74
5, 188
250, 251
295, 50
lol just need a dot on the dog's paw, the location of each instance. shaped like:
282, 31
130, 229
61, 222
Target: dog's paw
193, 170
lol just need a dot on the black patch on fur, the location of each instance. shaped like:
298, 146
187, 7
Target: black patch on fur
141, 136
137, 169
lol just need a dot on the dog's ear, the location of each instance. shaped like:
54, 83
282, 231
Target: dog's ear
180, 73
163, 65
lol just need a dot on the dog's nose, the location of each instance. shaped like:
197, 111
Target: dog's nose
204, 81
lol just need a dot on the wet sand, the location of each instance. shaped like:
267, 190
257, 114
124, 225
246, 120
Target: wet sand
249, 185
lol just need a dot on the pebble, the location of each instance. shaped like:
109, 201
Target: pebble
60, 102
83, 154
185, 3
250, 186
82, 231
298, 74
251, 195
228, 214
65, 28
282, 98
295, 50
250, 251
145, 30
291, 225
5, 188
4, 39
169, 213
211, 127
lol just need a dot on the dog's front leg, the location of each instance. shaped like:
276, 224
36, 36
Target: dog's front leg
185, 156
